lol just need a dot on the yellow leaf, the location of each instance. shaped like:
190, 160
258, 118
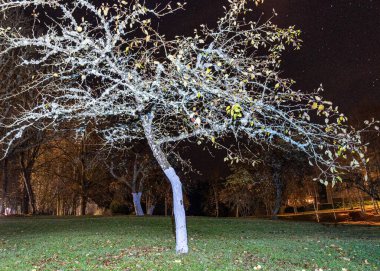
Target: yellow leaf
314, 106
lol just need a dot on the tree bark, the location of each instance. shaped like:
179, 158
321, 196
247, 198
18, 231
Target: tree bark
83, 204
279, 189
178, 203
216, 201
179, 211
315, 203
151, 209
25, 201
29, 189
5, 179
137, 203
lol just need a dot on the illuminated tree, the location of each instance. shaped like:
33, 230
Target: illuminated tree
111, 68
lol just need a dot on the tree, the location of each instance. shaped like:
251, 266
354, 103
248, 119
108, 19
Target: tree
133, 172
211, 200
12, 78
238, 190
112, 68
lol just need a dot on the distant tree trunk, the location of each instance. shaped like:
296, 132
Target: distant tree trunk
216, 198
83, 204
151, 209
149, 205
57, 206
344, 201
137, 203
136, 195
350, 199
5, 180
25, 201
315, 203
361, 202
178, 203
266, 209
277, 167
237, 211
279, 187
27, 177
333, 206
375, 206
74, 205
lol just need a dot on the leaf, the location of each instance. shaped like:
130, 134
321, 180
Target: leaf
321, 107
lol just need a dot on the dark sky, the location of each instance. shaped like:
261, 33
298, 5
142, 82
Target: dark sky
340, 50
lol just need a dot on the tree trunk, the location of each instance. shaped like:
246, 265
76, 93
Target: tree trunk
151, 209
377, 206
237, 211
83, 204
179, 211
5, 179
178, 203
315, 203
279, 189
137, 203
29, 189
277, 169
361, 202
216, 201
333, 206
25, 201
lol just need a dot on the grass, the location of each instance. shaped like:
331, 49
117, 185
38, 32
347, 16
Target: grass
130, 243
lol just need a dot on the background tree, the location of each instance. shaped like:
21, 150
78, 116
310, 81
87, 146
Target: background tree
237, 193
134, 170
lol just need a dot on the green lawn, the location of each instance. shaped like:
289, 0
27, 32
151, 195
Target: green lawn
130, 243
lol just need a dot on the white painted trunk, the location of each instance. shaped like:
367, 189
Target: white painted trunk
137, 203
178, 205
179, 211
151, 210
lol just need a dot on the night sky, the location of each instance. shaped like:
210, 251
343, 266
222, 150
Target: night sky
340, 49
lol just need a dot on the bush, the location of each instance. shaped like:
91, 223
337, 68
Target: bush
119, 208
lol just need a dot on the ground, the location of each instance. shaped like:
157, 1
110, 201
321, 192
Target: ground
135, 243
